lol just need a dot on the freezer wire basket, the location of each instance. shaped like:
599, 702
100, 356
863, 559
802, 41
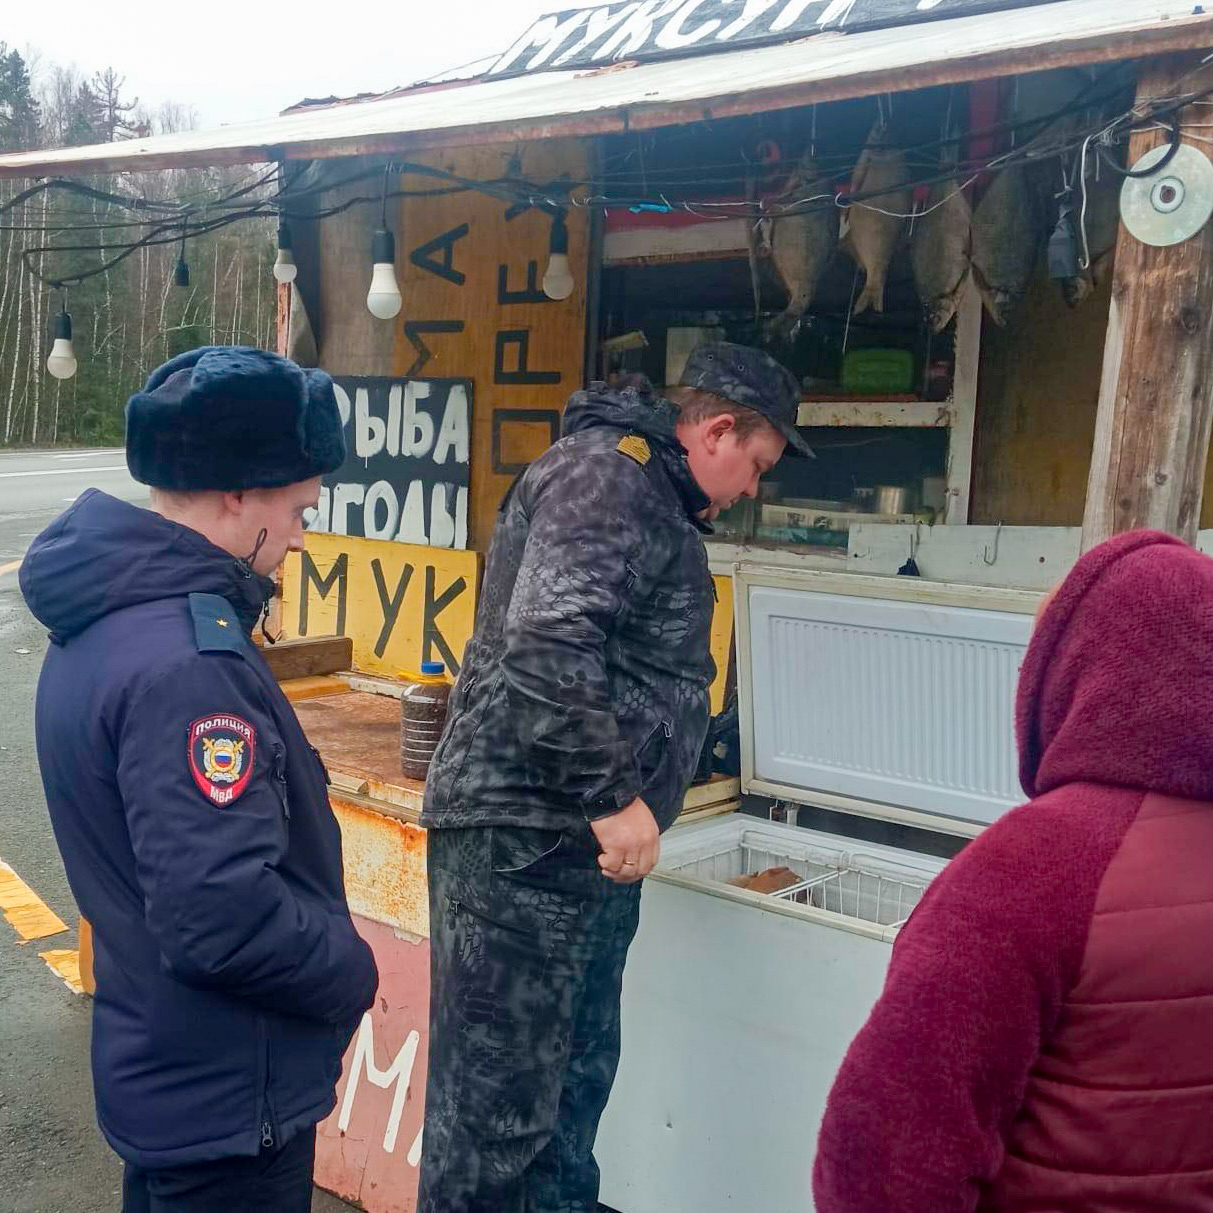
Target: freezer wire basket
849, 884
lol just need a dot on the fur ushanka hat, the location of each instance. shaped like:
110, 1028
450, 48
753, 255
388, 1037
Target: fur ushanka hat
230, 418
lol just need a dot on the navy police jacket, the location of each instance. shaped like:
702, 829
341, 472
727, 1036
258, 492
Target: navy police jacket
195, 828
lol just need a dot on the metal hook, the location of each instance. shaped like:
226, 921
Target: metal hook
910, 568
985, 551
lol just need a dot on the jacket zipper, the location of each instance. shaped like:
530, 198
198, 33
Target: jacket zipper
664, 730
267, 1113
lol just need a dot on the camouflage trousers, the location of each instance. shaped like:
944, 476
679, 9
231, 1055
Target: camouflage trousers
527, 947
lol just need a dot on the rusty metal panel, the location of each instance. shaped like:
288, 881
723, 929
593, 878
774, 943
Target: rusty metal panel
385, 872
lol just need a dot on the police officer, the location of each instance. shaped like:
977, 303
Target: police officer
574, 731
191, 813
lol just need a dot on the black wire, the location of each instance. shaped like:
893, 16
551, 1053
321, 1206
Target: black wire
1167, 157
175, 220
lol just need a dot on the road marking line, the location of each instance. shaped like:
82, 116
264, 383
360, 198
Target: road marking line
27, 913
10, 567
117, 467
65, 962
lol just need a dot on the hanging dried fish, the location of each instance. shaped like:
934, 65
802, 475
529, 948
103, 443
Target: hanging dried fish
1006, 241
1102, 223
875, 226
940, 248
803, 244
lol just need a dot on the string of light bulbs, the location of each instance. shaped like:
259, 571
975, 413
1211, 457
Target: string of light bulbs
176, 222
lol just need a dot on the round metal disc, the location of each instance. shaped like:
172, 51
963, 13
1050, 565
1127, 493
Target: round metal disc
1171, 206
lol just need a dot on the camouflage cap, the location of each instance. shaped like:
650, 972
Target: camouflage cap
752, 378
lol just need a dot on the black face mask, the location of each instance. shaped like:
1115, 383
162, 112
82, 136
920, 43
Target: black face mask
246, 567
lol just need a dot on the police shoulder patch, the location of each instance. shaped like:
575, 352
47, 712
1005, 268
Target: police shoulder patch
635, 447
221, 750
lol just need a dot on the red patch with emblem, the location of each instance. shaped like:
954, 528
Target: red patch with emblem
221, 750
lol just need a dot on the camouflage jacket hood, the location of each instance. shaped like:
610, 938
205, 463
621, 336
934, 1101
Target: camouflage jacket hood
638, 410
586, 682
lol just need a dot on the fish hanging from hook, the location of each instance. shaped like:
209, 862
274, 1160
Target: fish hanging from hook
874, 225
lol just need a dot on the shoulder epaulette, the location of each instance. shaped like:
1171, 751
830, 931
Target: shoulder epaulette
216, 628
635, 448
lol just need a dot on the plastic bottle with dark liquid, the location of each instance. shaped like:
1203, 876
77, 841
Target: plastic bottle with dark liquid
423, 704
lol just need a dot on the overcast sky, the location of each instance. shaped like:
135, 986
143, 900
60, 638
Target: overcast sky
233, 60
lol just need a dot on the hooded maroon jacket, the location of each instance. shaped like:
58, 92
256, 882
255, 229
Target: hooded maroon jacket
1044, 1042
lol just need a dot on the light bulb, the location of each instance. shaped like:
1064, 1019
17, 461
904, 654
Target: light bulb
62, 360
285, 268
558, 279
383, 299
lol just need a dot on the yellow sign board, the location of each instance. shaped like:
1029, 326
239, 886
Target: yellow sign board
722, 640
401, 604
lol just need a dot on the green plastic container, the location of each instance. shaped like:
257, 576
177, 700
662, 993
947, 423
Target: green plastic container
878, 372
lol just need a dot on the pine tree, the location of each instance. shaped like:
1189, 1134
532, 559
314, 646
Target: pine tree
86, 119
19, 116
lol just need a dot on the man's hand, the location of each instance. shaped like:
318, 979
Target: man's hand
630, 843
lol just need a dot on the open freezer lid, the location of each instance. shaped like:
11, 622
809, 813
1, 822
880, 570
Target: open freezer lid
888, 697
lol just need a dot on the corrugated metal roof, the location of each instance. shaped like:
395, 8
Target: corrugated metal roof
599, 34
544, 105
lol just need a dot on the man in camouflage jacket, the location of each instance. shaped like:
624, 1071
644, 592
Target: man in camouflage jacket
573, 735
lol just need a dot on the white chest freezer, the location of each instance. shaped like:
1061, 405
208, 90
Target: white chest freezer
886, 698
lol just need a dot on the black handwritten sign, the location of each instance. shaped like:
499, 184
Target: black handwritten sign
406, 470
401, 605
648, 29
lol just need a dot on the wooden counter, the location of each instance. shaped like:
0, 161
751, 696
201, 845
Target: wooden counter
358, 736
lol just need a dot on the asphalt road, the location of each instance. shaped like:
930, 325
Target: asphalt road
52, 1157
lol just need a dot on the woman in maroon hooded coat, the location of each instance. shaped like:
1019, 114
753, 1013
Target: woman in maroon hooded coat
1044, 1042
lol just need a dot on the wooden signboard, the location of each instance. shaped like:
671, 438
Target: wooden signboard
470, 268
405, 475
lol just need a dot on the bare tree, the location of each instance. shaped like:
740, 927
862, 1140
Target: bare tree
115, 119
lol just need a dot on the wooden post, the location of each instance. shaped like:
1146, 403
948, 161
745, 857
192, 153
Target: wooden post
1156, 392
964, 407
